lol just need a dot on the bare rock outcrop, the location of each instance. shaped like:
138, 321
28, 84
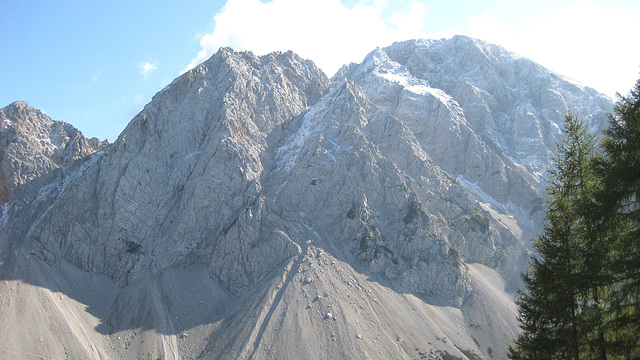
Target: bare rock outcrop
184, 181
486, 116
32, 145
257, 209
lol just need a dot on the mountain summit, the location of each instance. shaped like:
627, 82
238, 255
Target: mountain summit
32, 145
257, 209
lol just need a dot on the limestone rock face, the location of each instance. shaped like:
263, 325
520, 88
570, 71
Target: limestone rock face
257, 209
382, 202
32, 145
184, 181
486, 116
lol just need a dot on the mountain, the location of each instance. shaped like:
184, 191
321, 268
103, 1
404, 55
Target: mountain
32, 146
257, 209
486, 116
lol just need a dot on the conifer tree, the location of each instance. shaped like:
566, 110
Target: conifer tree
618, 218
557, 289
583, 288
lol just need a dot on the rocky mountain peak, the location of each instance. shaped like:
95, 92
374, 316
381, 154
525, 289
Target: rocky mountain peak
486, 116
21, 111
32, 145
256, 209
505, 95
188, 166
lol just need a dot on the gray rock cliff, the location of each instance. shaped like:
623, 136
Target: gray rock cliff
257, 209
182, 177
32, 145
486, 116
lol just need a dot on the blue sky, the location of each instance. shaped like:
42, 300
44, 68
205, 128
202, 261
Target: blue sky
95, 64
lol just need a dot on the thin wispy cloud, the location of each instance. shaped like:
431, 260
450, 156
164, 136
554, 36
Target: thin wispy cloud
146, 68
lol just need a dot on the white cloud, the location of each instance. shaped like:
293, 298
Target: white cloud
583, 40
487, 27
146, 68
591, 43
325, 31
410, 22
